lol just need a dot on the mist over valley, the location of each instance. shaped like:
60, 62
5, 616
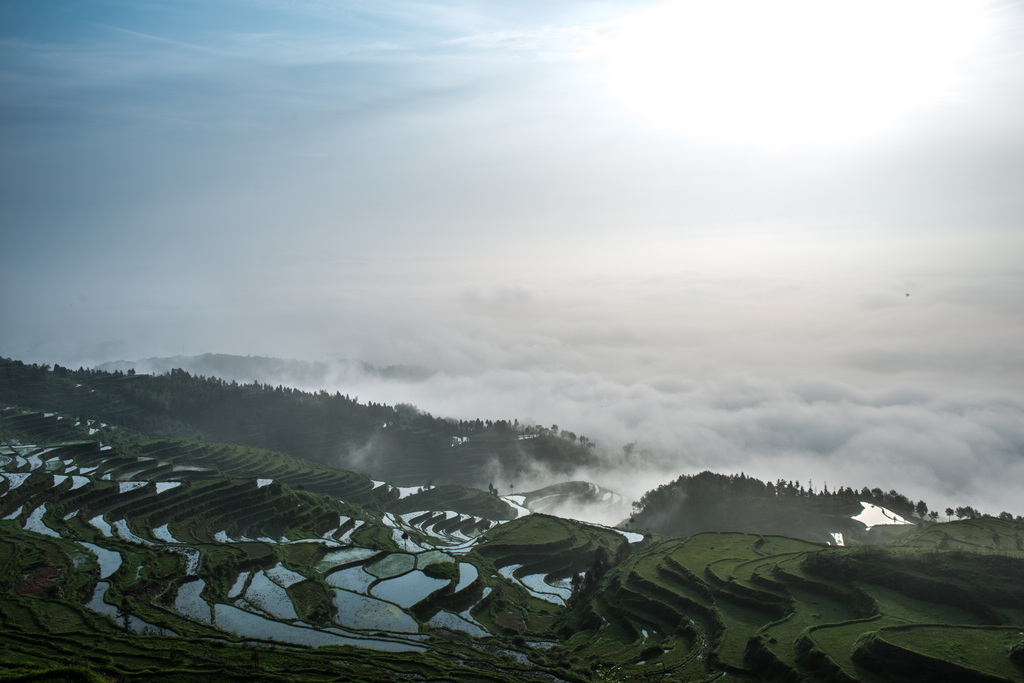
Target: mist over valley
923, 443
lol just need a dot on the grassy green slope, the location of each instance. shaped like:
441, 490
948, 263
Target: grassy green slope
776, 608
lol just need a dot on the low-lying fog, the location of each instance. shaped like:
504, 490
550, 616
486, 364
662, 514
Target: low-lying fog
910, 383
838, 385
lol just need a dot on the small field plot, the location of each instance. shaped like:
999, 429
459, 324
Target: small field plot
467, 575
839, 641
975, 649
810, 609
270, 597
190, 603
700, 550
432, 557
781, 545
367, 613
457, 623
899, 606
337, 558
740, 624
550, 545
408, 589
394, 564
251, 625
109, 560
351, 579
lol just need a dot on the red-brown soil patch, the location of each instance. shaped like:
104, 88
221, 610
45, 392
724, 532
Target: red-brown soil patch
39, 580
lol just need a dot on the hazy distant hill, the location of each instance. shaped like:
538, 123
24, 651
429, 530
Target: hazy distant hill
716, 502
266, 370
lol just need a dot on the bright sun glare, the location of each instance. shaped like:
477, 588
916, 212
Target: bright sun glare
785, 72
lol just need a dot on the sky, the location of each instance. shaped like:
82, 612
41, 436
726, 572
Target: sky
782, 238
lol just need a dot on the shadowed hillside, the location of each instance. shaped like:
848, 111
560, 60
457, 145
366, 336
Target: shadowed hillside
717, 502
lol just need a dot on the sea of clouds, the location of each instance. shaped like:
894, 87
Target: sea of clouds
911, 384
910, 381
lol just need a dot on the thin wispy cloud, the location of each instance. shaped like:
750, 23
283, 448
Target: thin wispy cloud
546, 43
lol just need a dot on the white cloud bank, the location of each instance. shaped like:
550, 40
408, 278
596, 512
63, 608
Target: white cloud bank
844, 382
949, 448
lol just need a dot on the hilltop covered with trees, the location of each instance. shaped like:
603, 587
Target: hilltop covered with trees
399, 443
716, 502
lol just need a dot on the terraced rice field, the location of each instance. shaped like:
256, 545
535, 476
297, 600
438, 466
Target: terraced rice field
241, 537
196, 559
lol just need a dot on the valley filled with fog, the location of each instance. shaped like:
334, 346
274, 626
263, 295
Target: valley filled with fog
909, 384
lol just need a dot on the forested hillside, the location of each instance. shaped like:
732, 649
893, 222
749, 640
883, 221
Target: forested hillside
263, 369
717, 502
399, 443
